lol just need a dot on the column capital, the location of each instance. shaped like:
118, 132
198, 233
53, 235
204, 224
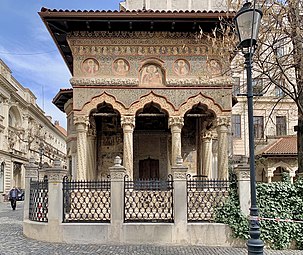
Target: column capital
222, 121
128, 120
176, 121
81, 122
206, 135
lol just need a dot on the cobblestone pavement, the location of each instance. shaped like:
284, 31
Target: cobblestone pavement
13, 242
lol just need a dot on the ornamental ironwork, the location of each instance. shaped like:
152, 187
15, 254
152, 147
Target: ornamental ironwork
148, 200
86, 201
203, 197
38, 201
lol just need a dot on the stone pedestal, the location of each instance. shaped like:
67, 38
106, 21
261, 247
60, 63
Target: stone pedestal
31, 173
180, 201
55, 206
243, 175
117, 173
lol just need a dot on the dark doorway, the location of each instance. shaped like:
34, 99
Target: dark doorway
149, 169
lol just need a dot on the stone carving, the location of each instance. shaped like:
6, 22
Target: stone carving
151, 75
179, 175
90, 66
214, 67
83, 119
127, 120
117, 175
181, 67
223, 121
121, 66
244, 175
104, 81
178, 121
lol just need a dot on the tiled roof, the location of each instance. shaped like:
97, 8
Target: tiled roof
283, 146
61, 129
44, 9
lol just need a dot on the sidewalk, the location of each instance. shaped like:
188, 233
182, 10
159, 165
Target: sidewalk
13, 242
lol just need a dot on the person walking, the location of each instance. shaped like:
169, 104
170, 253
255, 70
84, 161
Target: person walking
13, 194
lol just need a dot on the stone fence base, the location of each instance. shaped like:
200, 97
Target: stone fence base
206, 234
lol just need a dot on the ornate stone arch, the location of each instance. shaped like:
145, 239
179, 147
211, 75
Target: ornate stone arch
282, 164
211, 105
104, 97
152, 97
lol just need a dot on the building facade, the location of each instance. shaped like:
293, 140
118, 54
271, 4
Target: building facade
25, 132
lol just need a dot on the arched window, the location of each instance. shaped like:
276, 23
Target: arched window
278, 174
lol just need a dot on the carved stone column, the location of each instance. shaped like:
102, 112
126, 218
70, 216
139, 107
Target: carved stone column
81, 123
207, 153
222, 130
128, 125
175, 124
91, 151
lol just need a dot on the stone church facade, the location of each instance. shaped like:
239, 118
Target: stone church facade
145, 87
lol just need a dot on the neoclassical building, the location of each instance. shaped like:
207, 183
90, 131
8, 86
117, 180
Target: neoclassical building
25, 132
146, 86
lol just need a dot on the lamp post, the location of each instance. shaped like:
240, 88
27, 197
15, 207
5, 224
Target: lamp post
247, 22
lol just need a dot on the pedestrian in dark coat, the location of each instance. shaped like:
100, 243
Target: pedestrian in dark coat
13, 195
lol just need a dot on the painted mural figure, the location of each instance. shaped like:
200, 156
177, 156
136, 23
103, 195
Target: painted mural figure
121, 67
181, 67
151, 75
91, 66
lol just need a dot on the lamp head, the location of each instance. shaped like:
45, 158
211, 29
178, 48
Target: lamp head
247, 22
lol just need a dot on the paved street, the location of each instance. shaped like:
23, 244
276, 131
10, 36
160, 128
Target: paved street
13, 242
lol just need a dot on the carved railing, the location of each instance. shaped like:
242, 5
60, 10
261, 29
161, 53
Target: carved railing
148, 200
38, 202
86, 201
203, 197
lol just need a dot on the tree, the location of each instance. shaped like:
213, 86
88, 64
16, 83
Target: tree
279, 57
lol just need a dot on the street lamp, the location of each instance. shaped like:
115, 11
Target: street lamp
247, 23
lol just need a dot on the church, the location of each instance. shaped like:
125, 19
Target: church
147, 85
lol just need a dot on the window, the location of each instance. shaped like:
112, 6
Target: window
257, 85
236, 126
278, 90
258, 127
280, 125
236, 86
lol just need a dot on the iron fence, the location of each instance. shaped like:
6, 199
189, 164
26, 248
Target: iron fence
86, 201
38, 201
148, 200
203, 197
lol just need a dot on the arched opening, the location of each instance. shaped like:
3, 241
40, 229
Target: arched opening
278, 173
198, 122
105, 140
151, 143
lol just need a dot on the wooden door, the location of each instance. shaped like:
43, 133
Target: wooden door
149, 169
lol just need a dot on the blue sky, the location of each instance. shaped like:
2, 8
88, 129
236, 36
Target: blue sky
29, 51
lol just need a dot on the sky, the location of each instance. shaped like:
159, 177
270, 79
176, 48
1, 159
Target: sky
28, 50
